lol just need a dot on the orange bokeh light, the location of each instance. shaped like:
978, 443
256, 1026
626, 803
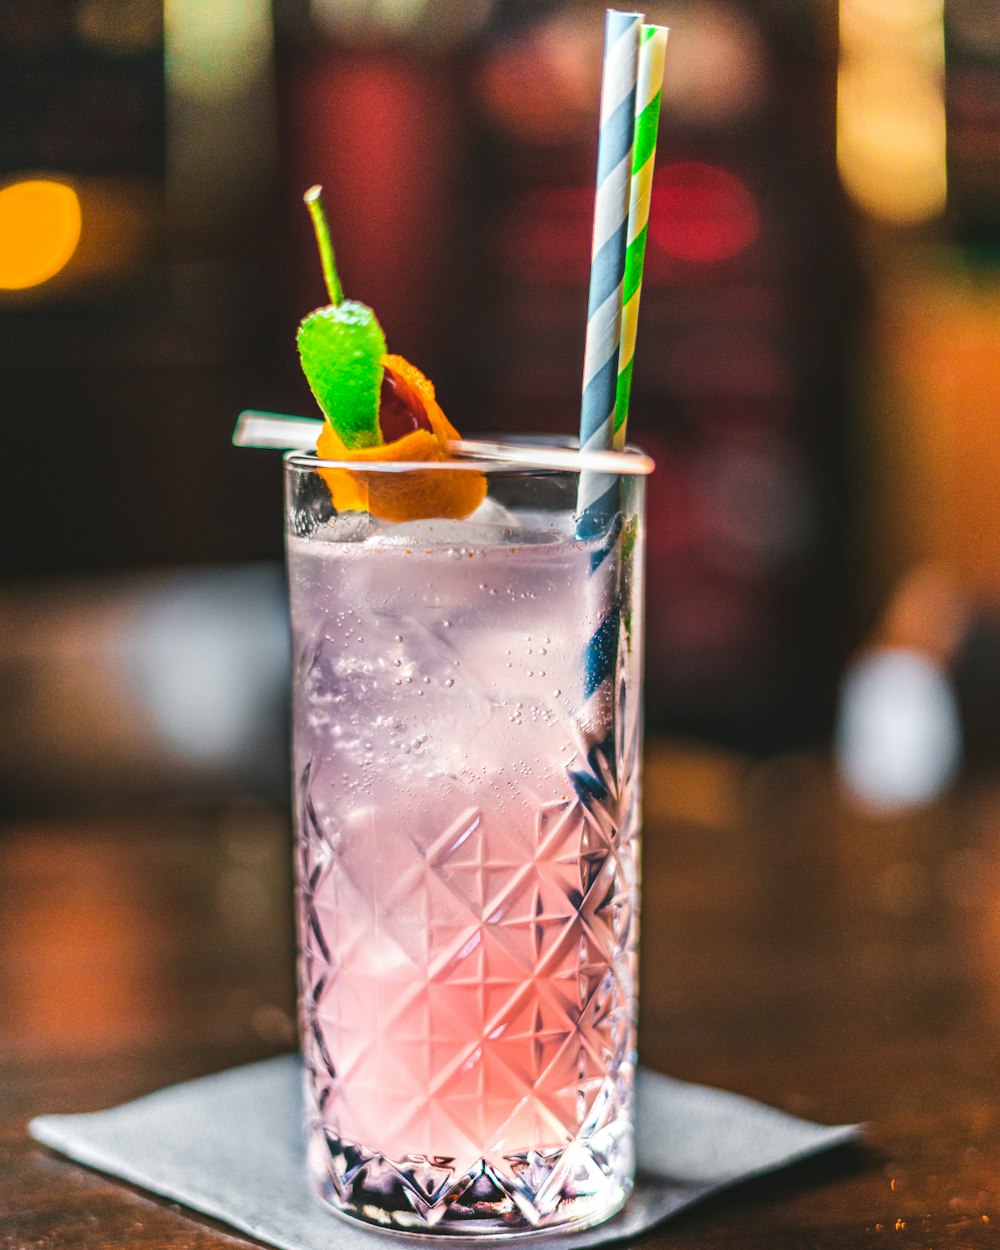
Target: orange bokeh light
40, 223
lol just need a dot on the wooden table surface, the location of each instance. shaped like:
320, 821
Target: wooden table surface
839, 967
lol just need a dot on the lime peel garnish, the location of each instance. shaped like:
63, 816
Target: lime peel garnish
341, 348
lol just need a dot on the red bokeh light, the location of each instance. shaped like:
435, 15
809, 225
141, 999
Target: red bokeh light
701, 213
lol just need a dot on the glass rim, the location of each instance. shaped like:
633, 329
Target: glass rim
525, 454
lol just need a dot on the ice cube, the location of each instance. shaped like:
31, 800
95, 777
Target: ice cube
490, 525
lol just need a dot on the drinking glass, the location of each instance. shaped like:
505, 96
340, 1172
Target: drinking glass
466, 741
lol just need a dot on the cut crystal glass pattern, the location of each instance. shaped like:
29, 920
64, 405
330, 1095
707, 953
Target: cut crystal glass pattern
467, 810
468, 1006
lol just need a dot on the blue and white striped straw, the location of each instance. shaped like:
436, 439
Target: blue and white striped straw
597, 496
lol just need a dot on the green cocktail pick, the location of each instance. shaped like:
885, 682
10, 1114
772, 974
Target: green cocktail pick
341, 348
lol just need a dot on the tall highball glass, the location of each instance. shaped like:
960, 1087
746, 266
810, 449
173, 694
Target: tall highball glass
466, 730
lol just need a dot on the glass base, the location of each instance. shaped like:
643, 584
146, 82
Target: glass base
530, 1193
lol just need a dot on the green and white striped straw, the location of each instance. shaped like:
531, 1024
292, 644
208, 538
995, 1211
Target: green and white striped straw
649, 91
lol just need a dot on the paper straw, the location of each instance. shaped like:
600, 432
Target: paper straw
597, 496
649, 91
276, 430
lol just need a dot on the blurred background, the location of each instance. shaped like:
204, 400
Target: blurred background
818, 367
817, 376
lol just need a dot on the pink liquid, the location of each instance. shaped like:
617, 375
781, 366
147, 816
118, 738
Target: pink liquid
467, 1011
467, 888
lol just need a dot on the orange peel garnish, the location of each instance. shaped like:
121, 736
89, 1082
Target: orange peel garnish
413, 496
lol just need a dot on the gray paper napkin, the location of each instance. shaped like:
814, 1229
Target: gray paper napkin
231, 1147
